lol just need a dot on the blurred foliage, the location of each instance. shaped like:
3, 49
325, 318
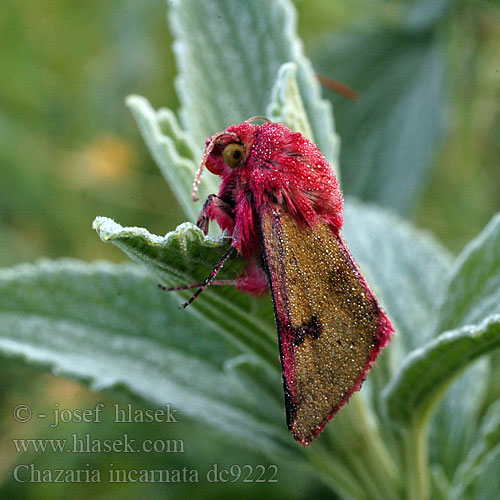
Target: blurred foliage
382, 56
391, 132
68, 147
69, 150
467, 166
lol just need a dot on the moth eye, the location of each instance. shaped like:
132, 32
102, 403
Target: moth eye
232, 154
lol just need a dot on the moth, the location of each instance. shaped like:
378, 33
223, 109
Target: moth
281, 204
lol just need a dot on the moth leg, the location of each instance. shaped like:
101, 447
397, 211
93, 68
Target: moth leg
205, 283
197, 285
253, 280
215, 208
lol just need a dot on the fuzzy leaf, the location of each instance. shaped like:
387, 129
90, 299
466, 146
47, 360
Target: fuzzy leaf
262, 385
390, 133
454, 424
485, 451
183, 254
405, 266
474, 287
427, 371
473, 292
487, 484
110, 327
172, 151
286, 105
187, 256
248, 41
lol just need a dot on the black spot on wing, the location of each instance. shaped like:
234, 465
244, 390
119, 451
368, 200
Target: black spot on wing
312, 328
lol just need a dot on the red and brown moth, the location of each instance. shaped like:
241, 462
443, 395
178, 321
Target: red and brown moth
282, 206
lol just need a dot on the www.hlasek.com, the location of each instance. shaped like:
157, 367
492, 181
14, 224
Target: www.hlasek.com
87, 444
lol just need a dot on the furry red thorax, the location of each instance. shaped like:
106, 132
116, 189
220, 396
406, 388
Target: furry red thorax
279, 166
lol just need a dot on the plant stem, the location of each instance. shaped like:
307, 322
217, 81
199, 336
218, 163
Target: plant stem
360, 446
417, 472
334, 472
376, 448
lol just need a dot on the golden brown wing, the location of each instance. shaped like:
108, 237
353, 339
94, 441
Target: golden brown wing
330, 327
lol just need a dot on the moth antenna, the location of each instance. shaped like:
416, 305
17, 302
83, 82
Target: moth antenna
196, 183
254, 118
208, 150
338, 87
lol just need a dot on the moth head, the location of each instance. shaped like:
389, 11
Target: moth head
227, 151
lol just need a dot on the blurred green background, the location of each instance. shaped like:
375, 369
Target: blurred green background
70, 150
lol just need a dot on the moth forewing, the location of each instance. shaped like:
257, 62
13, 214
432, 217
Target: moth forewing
330, 328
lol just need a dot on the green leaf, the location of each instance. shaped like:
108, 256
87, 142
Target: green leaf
389, 135
264, 386
487, 485
405, 267
473, 290
286, 105
172, 151
426, 14
427, 371
486, 451
233, 80
110, 327
186, 256
454, 423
